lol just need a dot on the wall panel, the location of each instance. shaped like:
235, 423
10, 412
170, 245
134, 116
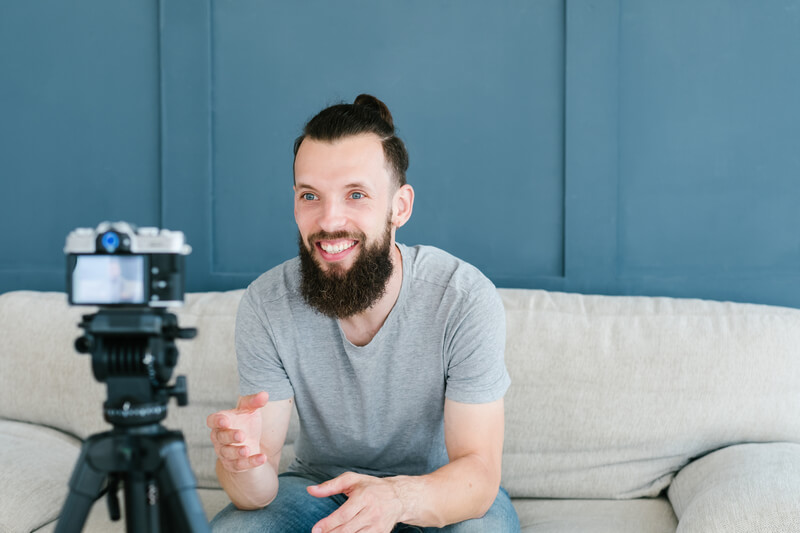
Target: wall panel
709, 139
79, 134
607, 146
477, 95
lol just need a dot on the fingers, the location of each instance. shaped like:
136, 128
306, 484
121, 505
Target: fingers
218, 420
347, 513
227, 436
337, 485
233, 452
246, 404
252, 402
240, 464
235, 433
234, 456
372, 504
251, 462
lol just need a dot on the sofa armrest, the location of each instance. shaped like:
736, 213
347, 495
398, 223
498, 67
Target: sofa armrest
35, 466
750, 488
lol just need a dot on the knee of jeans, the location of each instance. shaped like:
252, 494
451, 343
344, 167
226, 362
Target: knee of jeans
225, 520
496, 524
233, 520
501, 518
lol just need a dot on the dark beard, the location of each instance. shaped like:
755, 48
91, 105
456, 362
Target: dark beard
340, 294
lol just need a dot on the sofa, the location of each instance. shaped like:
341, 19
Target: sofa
625, 414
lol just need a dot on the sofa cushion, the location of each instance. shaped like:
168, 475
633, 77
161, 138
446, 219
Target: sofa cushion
646, 515
749, 488
98, 521
37, 464
612, 395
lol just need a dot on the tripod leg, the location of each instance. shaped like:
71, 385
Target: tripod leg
84, 488
179, 489
141, 511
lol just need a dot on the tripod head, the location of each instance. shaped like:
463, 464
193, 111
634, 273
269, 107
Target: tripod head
133, 351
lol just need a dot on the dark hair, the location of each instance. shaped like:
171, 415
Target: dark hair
366, 114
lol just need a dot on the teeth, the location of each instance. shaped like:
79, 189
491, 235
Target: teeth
337, 248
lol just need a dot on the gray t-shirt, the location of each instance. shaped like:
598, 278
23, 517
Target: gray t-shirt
376, 409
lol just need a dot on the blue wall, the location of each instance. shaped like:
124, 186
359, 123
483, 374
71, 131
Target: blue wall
617, 147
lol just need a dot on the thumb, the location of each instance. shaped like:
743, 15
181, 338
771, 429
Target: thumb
337, 485
253, 402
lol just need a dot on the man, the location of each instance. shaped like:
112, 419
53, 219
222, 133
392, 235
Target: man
393, 356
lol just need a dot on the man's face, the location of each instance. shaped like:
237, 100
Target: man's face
343, 197
345, 211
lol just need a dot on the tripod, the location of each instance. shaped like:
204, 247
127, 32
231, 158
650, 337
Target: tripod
134, 352
152, 465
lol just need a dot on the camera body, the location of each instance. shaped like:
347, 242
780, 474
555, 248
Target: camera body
120, 265
134, 275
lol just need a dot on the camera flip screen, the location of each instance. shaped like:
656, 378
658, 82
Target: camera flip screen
108, 280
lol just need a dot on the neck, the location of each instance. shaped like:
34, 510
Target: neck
362, 327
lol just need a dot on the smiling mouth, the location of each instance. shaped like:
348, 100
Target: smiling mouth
337, 247
335, 250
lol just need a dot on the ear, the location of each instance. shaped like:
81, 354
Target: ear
402, 205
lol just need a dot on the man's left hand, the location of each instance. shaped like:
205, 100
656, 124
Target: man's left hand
373, 504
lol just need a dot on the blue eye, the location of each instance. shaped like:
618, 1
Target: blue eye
357, 196
308, 196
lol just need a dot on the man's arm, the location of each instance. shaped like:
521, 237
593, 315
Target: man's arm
248, 441
464, 488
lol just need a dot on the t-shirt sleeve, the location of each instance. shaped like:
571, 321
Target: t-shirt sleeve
260, 365
476, 370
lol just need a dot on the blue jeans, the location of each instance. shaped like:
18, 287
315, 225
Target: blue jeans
294, 510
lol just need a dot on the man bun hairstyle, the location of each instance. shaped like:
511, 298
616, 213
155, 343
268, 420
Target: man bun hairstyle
377, 106
366, 114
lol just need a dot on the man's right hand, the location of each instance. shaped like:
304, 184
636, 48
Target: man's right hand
236, 434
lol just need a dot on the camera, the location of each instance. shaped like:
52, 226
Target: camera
120, 265
134, 275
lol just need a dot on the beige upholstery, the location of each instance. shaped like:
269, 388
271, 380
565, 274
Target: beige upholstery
611, 398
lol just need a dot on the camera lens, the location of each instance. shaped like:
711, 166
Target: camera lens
110, 241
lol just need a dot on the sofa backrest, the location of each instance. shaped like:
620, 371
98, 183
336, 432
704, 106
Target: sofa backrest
610, 396
45, 381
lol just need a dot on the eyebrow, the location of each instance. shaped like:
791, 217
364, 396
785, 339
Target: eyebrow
357, 185
353, 185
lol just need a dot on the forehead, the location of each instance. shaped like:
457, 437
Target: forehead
357, 158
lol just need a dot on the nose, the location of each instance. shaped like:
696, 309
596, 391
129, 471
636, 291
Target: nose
332, 216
